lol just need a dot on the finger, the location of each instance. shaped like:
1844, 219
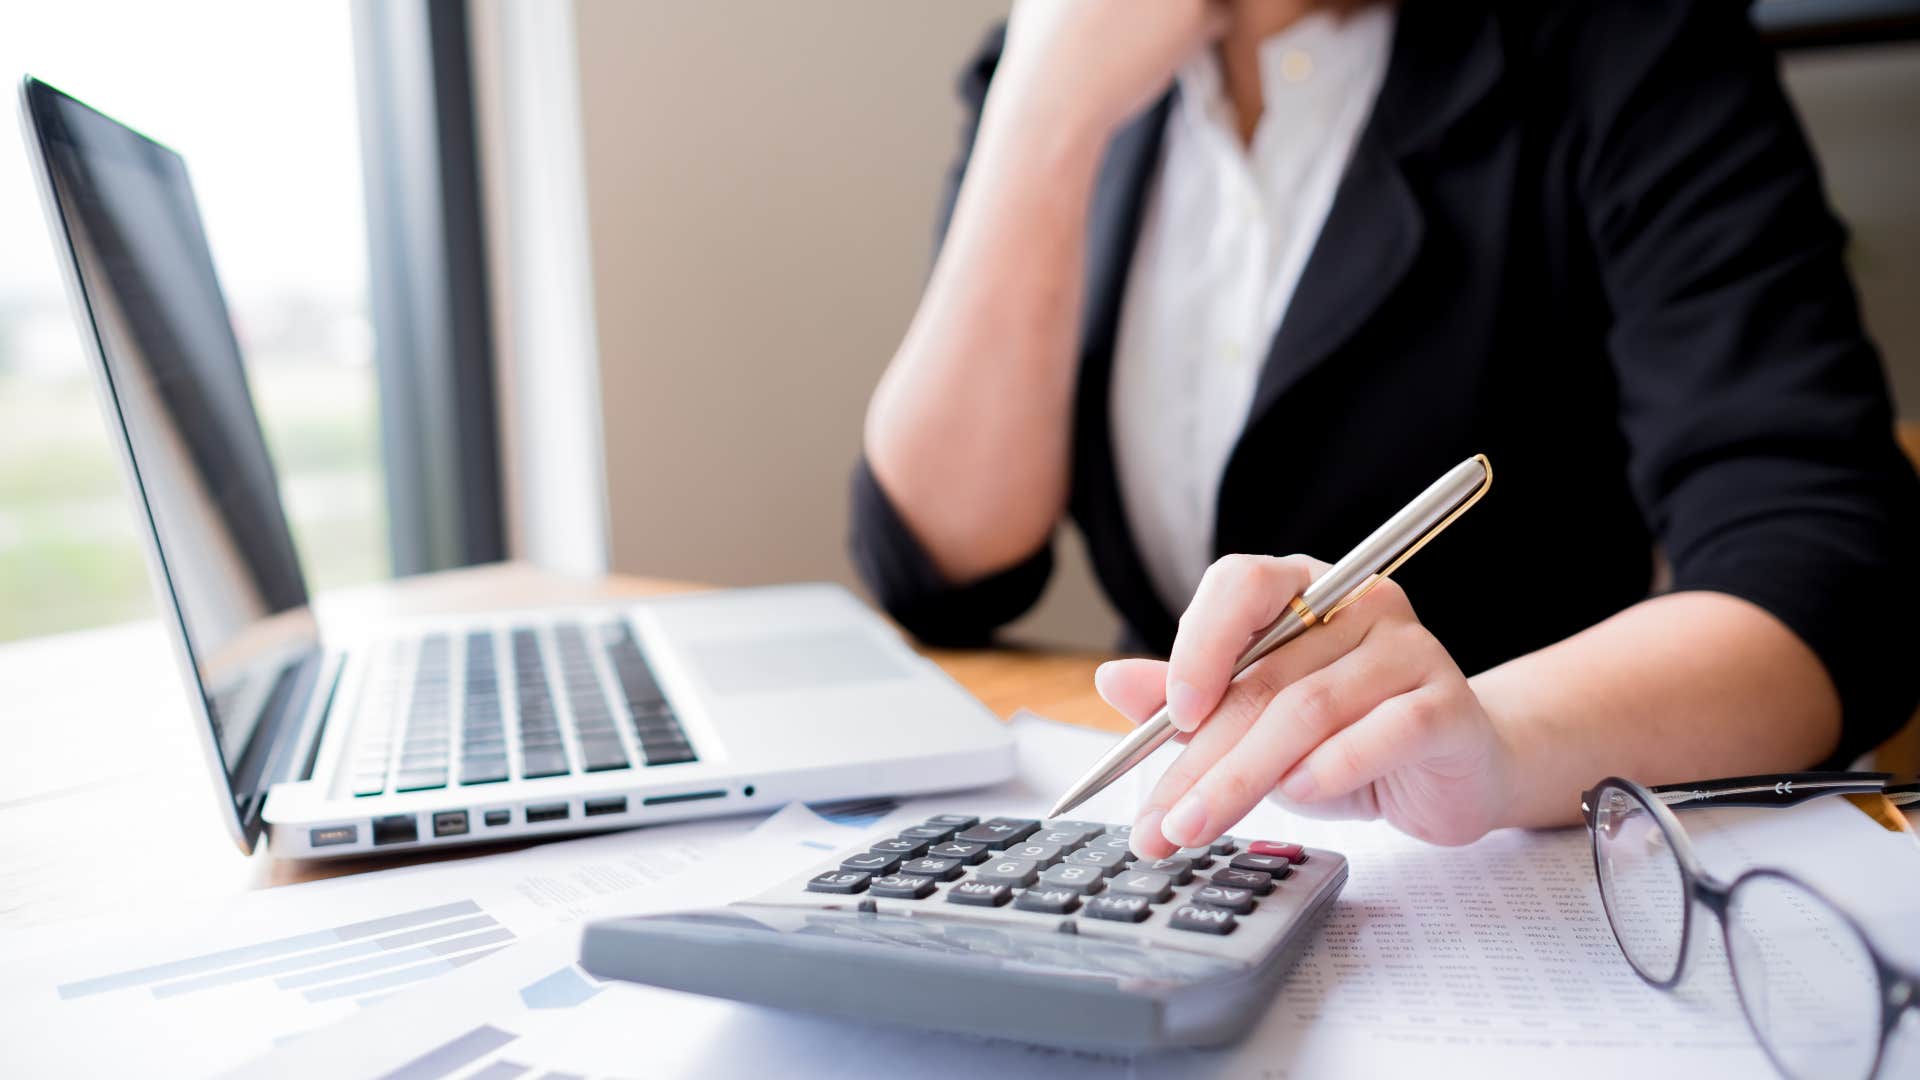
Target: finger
1301, 717
1417, 726
1238, 595
1135, 688
1243, 703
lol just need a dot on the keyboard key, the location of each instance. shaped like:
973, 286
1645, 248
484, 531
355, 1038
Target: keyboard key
903, 887
1202, 919
905, 849
953, 821
1085, 880
602, 754
420, 780
1121, 831
1260, 882
876, 865
1180, 870
1271, 864
979, 894
487, 770
1118, 908
999, 832
1091, 828
932, 866
1108, 862
1049, 901
538, 763
932, 834
1238, 901
1200, 857
1279, 850
1157, 888
1016, 872
1226, 845
971, 854
1066, 838
1110, 842
839, 881
1044, 854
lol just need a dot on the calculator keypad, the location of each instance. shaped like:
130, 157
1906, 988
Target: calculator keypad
1064, 869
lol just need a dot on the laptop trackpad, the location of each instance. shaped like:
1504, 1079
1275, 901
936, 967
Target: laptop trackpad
788, 662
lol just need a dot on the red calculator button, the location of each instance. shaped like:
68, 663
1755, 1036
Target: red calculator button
1289, 852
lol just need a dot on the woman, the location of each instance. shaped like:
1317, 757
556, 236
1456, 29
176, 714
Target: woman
1242, 278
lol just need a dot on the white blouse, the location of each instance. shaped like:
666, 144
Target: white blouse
1226, 231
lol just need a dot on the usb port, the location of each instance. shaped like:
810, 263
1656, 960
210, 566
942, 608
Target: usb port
395, 829
614, 804
333, 835
450, 823
547, 812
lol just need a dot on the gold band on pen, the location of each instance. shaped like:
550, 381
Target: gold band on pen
1300, 608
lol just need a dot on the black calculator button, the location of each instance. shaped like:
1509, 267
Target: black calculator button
1201, 857
1085, 880
1157, 888
1049, 901
1044, 854
839, 881
900, 848
1108, 862
1177, 868
998, 832
1111, 842
1091, 828
1202, 919
971, 854
1015, 872
870, 864
1118, 908
1238, 901
1271, 864
903, 887
931, 866
953, 821
1226, 845
932, 834
1068, 839
979, 893
1259, 881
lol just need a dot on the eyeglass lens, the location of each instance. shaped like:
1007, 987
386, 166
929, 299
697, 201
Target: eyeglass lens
1805, 978
1641, 884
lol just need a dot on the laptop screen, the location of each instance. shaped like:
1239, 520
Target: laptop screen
174, 378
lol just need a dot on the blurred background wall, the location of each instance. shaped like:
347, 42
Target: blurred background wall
760, 179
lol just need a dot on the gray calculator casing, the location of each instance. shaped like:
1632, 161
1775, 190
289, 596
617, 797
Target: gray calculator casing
995, 972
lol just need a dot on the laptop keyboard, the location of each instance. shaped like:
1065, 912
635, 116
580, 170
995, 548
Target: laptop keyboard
584, 700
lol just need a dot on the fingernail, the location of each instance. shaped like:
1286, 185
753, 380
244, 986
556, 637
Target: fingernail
1299, 787
1186, 704
1183, 824
1148, 824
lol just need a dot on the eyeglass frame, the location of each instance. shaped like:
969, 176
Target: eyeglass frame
1899, 989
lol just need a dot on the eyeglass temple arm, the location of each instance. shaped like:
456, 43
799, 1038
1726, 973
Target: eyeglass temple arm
1777, 789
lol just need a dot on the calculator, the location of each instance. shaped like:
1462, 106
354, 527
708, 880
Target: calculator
1049, 932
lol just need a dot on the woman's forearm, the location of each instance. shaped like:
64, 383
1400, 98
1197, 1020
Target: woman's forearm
1680, 687
969, 429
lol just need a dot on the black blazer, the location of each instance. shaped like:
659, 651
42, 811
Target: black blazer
1584, 237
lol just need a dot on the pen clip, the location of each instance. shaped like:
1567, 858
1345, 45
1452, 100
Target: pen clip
1486, 483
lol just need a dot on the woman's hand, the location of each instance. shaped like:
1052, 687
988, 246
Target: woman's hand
1364, 717
1094, 63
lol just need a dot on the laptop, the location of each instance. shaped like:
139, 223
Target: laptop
484, 727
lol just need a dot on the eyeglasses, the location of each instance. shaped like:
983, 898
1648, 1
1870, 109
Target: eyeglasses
1820, 998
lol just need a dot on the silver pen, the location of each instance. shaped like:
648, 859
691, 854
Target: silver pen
1345, 582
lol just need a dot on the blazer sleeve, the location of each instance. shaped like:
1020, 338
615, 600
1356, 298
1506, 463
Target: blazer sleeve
888, 557
1755, 410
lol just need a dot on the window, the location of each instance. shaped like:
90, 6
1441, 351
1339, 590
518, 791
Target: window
260, 99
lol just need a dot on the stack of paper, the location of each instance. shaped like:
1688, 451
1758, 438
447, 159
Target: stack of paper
1493, 959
